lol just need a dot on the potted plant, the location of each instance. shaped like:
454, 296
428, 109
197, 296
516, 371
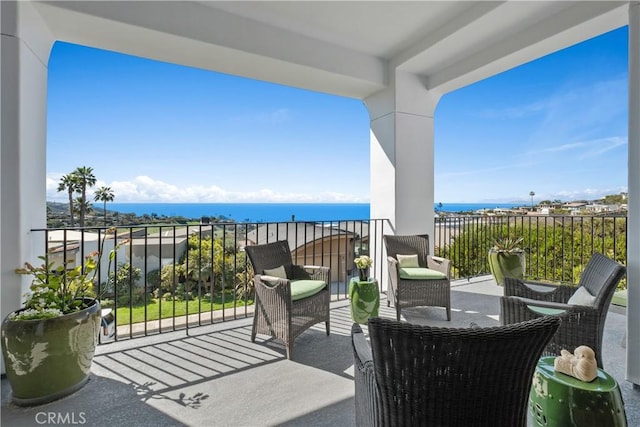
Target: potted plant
48, 345
363, 262
506, 259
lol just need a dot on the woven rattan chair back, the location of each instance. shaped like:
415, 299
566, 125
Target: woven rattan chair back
270, 255
600, 277
456, 377
408, 245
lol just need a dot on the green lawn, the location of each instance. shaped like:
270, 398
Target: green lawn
125, 315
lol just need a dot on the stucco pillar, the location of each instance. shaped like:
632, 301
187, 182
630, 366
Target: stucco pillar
402, 168
24, 47
633, 230
402, 156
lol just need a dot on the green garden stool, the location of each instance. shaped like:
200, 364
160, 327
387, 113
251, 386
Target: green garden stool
559, 400
365, 299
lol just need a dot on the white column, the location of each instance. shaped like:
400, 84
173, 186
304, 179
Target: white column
402, 164
402, 156
633, 227
24, 47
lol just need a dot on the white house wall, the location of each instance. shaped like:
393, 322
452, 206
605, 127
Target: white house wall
25, 46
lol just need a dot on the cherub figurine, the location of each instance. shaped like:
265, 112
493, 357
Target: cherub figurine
581, 364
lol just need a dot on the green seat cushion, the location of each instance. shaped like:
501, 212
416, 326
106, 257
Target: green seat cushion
620, 298
305, 288
545, 310
421, 274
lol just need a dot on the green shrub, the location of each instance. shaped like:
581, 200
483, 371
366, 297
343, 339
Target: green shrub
124, 279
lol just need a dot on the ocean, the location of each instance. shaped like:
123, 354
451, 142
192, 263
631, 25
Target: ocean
275, 212
472, 207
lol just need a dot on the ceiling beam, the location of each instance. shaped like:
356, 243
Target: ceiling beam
190, 33
580, 22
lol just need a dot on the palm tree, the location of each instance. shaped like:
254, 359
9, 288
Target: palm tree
104, 194
78, 206
69, 183
85, 179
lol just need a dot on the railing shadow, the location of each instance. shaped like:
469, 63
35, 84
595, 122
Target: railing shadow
101, 402
171, 364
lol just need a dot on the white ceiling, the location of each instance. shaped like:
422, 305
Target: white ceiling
345, 48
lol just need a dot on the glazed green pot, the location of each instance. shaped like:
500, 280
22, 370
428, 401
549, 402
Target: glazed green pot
50, 358
506, 264
365, 299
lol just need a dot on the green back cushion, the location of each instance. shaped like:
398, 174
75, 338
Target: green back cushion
305, 288
278, 272
421, 274
408, 261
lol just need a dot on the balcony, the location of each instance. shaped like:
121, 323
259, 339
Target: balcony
214, 375
200, 367
389, 70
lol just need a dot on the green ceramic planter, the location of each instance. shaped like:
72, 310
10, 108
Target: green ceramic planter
503, 264
50, 358
365, 299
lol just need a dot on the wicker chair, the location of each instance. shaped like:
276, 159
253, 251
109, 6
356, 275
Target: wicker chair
581, 324
416, 292
423, 375
276, 313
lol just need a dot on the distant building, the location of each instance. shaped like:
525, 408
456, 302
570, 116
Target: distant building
332, 245
597, 208
155, 250
574, 208
72, 247
502, 211
545, 210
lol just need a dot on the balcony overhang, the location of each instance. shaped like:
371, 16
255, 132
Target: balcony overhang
342, 48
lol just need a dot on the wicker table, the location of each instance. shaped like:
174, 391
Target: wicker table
560, 400
365, 299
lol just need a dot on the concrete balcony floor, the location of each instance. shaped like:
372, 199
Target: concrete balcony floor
217, 377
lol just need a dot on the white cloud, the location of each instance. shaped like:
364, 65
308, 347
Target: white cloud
563, 195
281, 115
516, 112
591, 148
586, 194
147, 189
583, 108
574, 107
483, 171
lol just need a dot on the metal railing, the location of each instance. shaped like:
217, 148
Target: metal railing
159, 278
171, 277
557, 247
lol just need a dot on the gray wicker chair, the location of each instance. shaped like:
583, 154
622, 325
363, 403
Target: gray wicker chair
581, 325
412, 293
421, 375
275, 313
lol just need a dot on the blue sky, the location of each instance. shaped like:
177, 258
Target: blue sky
158, 132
